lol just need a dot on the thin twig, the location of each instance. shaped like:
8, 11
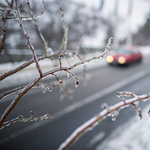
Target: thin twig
36, 80
28, 40
96, 119
29, 62
65, 28
93, 58
3, 29
22, 119
38, 28
10, 92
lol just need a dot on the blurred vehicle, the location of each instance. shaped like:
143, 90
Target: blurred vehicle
124, 56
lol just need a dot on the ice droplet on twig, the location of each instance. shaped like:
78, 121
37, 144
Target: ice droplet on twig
144, 100
114, 115
50, 89
76, 83
68, 74
118, 95
44, 90
104, 106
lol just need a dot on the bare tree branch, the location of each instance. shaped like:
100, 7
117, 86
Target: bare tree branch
22, 119
2, 28
38, 28
36, 80
29, 62
108, 111
28, 40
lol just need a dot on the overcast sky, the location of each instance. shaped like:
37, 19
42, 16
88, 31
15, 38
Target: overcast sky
140, 9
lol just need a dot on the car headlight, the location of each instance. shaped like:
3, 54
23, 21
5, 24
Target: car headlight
121, 60
110, 59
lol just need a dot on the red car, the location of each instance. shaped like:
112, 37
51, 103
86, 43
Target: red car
124, 56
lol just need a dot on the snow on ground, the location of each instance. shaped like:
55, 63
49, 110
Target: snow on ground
133, 135
30, 73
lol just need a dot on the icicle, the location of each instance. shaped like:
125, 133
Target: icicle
68, 74
93, 126
44, 90
118, 96
114, 115
61, 97
42, 85
144, 100
149, 112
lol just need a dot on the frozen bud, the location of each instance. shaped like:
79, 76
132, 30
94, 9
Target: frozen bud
61, 55
118, 95
149, 112
50, 89
60, 81
31, 112
104, 106
61, 9
20, 117
76, 84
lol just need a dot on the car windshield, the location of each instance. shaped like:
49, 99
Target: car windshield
122, 51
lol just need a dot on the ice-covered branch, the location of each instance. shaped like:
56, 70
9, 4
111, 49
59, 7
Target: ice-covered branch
38, 28
112, 111
26, 17
22, 119
5, 13
93, 58
75, 77
28, 39
10, 92
2, 28
51, 72
65, 28
29, 62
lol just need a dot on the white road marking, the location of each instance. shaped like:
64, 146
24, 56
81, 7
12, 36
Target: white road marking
97, 138
81, 103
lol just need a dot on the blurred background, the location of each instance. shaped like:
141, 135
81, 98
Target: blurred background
90, 22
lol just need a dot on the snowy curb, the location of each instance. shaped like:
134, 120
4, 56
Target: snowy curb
28, 74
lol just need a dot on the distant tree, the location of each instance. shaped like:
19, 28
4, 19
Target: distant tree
80, 21
144, 32
142, 36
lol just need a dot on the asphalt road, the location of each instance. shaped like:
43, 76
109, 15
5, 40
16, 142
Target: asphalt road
101, 88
